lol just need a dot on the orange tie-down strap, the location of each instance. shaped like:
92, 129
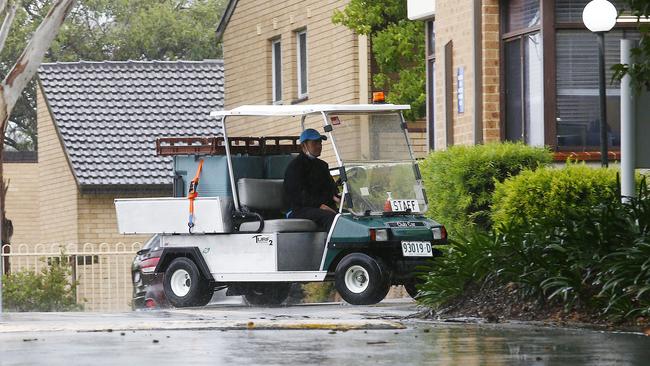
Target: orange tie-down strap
192, 194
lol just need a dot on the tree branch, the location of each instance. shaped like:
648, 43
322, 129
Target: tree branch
27, 64
10, 14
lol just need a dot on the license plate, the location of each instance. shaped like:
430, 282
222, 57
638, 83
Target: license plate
417, 249
404, 205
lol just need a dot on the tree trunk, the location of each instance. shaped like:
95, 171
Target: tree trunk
6, 227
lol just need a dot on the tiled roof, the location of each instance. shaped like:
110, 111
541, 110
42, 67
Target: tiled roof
109, 114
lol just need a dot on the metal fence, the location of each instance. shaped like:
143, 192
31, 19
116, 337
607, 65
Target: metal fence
102, 271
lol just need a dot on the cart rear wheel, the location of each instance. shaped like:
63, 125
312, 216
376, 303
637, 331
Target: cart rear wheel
184, 285
361, 279
273, 293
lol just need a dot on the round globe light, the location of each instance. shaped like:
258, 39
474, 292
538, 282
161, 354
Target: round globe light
599, 16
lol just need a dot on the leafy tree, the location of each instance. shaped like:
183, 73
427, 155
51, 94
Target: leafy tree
112, 30
639, 71
23, 70
397, 48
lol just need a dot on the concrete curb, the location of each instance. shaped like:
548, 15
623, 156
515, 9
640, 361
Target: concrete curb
313, 324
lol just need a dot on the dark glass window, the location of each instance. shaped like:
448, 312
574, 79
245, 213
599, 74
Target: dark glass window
523, 78
514, 126
431, 38
302, 64
522, 14
277, 70
577, 111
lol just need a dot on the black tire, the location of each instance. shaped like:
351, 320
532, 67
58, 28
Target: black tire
184, 285
361, 279
272, 293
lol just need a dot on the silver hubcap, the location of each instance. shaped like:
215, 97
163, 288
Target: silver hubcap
181, 283
356, 279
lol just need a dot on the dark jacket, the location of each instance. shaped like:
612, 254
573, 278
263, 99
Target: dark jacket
308, 183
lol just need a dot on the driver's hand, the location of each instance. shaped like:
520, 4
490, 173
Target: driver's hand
337, 199
326, 208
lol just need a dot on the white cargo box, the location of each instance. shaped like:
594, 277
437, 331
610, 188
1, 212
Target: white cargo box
170, 215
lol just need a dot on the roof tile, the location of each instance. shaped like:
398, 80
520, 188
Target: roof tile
110, 113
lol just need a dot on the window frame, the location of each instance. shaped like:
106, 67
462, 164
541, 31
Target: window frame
299, 66
514, 36
276, 80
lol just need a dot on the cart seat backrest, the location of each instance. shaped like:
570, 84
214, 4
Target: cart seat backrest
267, 195
261, 194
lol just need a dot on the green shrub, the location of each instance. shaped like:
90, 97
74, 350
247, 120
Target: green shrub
48, 290
595, 259
460, 181
552, 193
465, 260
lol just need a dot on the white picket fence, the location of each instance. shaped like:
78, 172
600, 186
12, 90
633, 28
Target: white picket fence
102, 271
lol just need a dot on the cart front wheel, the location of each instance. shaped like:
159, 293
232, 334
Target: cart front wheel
361, 279
184, 285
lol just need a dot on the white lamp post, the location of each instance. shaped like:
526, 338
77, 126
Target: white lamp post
600, 17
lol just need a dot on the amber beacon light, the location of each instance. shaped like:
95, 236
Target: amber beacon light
378, 97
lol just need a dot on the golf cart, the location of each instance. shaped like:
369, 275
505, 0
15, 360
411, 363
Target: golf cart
238, 237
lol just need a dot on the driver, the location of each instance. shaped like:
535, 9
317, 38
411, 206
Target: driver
309, 190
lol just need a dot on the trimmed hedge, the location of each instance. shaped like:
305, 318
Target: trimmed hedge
552, 193
460, 181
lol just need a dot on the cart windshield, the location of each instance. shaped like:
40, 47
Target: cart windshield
381, 173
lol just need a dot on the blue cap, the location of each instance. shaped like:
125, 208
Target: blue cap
311, 134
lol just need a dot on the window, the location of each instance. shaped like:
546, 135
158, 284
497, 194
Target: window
523, 78
276, 66
301, 63
577, 113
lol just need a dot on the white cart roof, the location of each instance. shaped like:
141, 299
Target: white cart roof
299, 110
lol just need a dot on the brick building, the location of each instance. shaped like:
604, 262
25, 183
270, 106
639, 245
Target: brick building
290, 52
97, 125
519, 70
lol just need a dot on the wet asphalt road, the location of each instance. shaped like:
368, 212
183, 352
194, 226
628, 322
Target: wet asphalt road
238, 336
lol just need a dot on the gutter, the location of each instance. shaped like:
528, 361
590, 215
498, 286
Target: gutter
126, 189
223, 22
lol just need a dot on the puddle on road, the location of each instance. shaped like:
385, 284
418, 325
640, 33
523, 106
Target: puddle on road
421, 344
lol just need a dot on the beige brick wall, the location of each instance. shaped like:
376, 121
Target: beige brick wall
98, 220
453, 23
331, 52
491, 70
57, 185
332, 57
22, 203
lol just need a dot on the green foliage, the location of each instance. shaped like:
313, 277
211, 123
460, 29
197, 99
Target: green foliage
594, 258
98, 30
48, 290
466, 260
552, 193
639, 70
397, 48
460, 181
